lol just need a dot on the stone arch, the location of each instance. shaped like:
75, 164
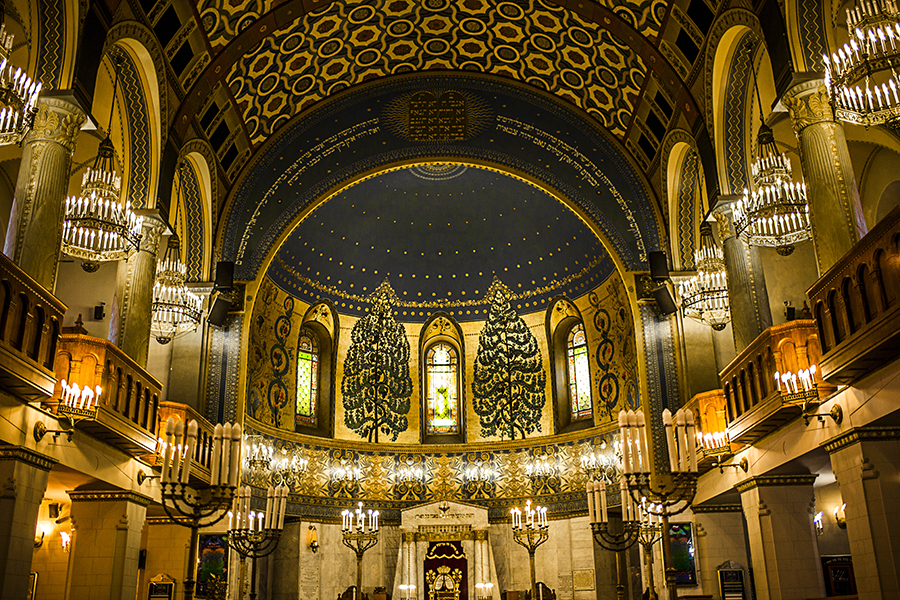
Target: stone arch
683, 194
809, 24
191, 204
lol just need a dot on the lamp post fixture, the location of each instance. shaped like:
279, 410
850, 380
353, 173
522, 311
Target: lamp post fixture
360, 532
193, 507
531, 533
251, 535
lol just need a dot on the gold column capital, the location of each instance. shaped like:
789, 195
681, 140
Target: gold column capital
808, 104
57, 120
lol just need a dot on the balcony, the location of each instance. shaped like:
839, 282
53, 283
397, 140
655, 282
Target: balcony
201, 452
30, 320
126, 414
710, 415
857, 305
755, 405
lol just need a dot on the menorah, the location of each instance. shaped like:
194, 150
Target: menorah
530, 534
649, 533
251, 535
359, 531
614, 541
195, 507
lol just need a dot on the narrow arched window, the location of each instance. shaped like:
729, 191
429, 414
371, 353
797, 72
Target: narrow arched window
578, 374
307, 378
442, 385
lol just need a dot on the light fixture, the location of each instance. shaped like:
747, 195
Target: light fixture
409, 590
409, 473
313, 539
287, 467
259, 452
704, 297
603, 463
817, 520
540, 467
346, 472
840, 516
66, 541
861, 76
175, 310
483, 591
39, 539
100, 227
478, 473
18, 95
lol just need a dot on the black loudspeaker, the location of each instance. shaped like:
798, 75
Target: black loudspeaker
218, 311
664, 300
224, 276
142, 558
659, 266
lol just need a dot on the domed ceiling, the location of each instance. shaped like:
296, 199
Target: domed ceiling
440, 232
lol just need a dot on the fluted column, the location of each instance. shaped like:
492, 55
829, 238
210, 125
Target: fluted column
129, 326
35, 225
747, 293
835, 212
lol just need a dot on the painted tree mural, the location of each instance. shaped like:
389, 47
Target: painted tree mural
510, 381
376, 385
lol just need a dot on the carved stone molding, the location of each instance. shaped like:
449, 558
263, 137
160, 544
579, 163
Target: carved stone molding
30, 457
717, 508
109, 496
808, 104
775, 480
861, 434
56, 121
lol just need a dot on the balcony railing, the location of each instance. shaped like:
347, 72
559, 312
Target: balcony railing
755, 404
201, 453
127, 410
30, 318
857, 305
711, 419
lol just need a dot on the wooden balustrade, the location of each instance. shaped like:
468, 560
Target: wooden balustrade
857, 305
710, 417
754, 404
127, 413
30, 322
202, 451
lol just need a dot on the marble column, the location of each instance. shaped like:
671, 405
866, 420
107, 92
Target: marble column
779, 510
105, 544
866, 464
34, 233
835, 212
23, 482
129, 325
750, 311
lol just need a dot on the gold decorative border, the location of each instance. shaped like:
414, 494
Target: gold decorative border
774, 480
109, 496
860, 434
28, 456
717, 508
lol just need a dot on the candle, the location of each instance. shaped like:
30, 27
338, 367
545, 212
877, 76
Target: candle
623, 491
679, 437
642, 441
170, 430
692, 447
235, 464
589, 489
670, 439
176, 448
230, 517
604, 515
623, 427
284, 497
216, 453
225, 456
189, 451
270, 499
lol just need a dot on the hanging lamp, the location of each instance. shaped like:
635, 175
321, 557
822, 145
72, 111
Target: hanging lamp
704, 297
18, 94
176, 310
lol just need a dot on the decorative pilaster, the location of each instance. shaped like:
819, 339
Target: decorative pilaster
129, 326
835, 212
23, 482
34, 233
865, 462
747, 293
783, 548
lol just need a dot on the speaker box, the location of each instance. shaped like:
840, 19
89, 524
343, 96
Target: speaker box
224, 276
659, 266
218, 310
664, 300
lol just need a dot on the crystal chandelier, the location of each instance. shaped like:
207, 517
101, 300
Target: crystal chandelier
175, 310
704, 297
18, 95
860, 77
98, 226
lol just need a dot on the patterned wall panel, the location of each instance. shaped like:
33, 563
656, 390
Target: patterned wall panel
137, 123
687, 201
193, 212
812, 34
51, 42
344, 44
737, 90
222, 371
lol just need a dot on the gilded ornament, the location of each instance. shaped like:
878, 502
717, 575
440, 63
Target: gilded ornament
723, 224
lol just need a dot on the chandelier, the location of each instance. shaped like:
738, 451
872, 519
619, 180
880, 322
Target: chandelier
175, 310
541, 466
98, 226
410, 473
860, 77
704, 297
603, 463
18, 95
346, 472
478, 473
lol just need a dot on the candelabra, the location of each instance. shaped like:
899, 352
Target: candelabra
483, 591
614, 541
251, 535
670, 493
603, 464
530, 534
359, 531
408, 589
75, 405
194, 507
649, 532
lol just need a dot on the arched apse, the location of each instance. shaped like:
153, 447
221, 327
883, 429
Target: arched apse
736, 110
682, 184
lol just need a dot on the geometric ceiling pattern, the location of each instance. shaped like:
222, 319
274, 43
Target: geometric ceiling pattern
346, 43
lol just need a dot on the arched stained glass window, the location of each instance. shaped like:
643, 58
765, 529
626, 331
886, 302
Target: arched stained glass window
578, 373
442, 385
307, 378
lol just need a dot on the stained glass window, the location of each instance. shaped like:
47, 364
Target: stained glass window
578, 373
442, 385
307, 378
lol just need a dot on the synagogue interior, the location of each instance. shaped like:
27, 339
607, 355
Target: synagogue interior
449, 299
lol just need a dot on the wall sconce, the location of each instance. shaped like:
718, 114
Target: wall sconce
409, 590
483, 591
839, 516
817, 520
66, 541
39, 539
313, 542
